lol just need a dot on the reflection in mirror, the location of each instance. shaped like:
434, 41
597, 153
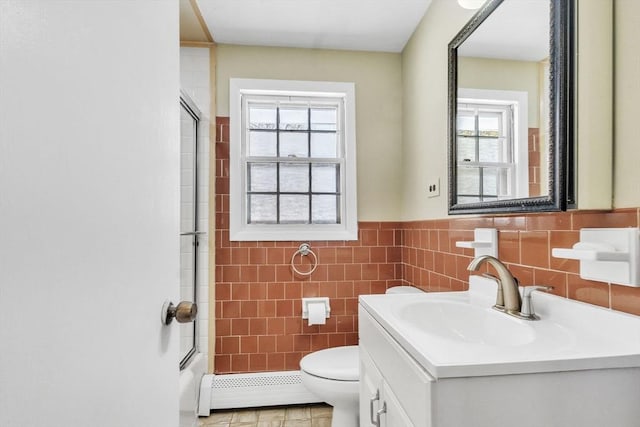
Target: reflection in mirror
504, 145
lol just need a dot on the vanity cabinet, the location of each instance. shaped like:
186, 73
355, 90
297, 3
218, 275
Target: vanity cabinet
394, 389
403, 390
382, 408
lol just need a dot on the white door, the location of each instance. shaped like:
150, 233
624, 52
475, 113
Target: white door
89, 212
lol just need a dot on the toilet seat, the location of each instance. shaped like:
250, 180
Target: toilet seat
337, 363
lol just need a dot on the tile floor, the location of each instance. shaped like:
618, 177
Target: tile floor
289, 416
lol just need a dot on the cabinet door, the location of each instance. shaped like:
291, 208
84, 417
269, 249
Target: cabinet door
377, 401
394, 415
370, 389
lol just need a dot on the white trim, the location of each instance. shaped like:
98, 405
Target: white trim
255, 389
238, 229
521, 126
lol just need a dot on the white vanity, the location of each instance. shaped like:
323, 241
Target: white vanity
449, 360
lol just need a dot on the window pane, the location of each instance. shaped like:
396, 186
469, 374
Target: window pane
490, 150
489, 125
294, 209
262, 177
324, 178
324, 145
505, 180
466, 124
466, 149
262, 144
325, 209
294, 144
262, 209
294, 178
468, 199
324, 118
262, 116
490, 182
294, 118
468, 181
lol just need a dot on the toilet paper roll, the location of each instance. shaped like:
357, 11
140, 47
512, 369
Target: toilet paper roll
317, 313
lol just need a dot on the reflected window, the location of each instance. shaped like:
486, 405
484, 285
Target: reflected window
485, 152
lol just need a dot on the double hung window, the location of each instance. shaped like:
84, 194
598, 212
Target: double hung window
485, 152
292, 161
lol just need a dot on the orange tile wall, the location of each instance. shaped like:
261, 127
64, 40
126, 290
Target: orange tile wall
432, 262
258, 298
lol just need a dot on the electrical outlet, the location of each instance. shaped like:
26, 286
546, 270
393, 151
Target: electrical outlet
433, 187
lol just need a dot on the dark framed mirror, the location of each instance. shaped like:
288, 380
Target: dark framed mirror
511, 108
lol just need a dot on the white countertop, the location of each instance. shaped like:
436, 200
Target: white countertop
570, 335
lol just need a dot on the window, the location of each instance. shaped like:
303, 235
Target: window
491, 154
292, 157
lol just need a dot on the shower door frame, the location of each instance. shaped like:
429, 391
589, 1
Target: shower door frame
189, 106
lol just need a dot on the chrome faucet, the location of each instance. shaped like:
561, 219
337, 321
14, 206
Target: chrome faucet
507, 285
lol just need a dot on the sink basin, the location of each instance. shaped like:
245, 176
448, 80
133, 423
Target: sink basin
468, 323
458, 334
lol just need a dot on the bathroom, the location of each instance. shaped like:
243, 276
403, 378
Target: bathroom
53, 375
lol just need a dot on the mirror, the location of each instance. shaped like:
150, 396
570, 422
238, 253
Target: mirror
511, 108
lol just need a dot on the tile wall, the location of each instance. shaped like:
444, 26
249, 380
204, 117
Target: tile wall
258, 299
431, 260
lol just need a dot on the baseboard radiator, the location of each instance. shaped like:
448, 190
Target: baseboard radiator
252, 390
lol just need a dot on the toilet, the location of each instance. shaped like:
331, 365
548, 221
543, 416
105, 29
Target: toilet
333, 375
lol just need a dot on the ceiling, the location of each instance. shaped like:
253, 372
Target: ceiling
369, 25
516, 30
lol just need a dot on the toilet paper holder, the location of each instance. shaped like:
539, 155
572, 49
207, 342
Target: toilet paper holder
315, 300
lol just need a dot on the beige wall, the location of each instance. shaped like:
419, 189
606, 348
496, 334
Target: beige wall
424, 70
377, 77
626, 176
424, 78
402, 108
501, 74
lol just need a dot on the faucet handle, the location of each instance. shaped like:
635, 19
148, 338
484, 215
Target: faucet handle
526, 290
527, 306
499, 296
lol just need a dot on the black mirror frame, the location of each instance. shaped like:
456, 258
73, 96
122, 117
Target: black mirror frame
561, 120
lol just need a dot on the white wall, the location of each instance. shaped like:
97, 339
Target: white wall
89, 178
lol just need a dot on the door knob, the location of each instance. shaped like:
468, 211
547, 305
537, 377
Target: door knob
184, 312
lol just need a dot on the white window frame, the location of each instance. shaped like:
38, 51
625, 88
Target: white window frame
520, 101
239, 229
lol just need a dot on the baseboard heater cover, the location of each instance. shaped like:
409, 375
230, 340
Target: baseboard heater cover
256, 389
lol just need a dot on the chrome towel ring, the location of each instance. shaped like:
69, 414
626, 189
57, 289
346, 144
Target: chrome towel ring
304, 250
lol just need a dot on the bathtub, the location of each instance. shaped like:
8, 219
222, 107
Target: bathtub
189, 387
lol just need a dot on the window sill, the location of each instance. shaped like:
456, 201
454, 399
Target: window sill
293, 233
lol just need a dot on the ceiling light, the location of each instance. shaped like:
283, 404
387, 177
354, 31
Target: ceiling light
471, 4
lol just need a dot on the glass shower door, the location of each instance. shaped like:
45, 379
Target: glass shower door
189, 234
